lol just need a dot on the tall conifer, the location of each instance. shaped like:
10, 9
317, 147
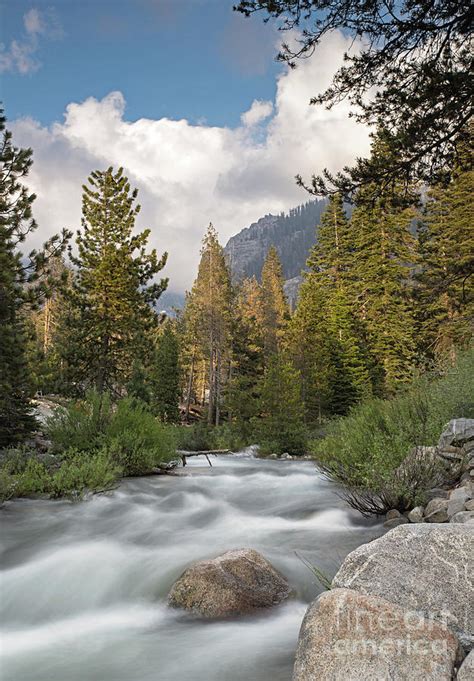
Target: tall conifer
110, 301
208, 315
19, 286
446, 295
275, 308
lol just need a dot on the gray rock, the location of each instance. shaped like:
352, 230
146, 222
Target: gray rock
416, 514
350, 636
425, 568
463, 517
395, 522
437, 493
454, 454
457, 500
457, 432
393, 513
466, 672
469, 505
235, 583
437, 511
455, 507
459, 494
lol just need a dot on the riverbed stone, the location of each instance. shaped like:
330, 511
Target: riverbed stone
457, 433
351, 636
416, 514
235, 583
395, 522
463, 517
437, 511
466, 672
427, 568
469, 505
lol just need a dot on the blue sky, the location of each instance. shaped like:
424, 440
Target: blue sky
195, 59
186, 96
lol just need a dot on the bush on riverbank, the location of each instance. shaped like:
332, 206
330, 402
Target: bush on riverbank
363, 450
94, 444
23, 474
128, 431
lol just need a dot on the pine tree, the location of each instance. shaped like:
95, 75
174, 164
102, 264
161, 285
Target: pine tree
20, 286
247, 367
165, 376
385, 256
275, 309
110, 314
327, 338
208, 319
281, 425
308, 343
446, 293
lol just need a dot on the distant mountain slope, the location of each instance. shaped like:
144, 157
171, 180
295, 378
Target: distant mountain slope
292, 235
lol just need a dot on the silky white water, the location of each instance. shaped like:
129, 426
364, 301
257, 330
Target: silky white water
83, 585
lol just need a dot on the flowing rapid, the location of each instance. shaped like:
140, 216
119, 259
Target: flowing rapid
84, 585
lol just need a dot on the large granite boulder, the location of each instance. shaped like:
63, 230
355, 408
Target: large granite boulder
350, 636
235, 583
457, 433
466, 673
427, 568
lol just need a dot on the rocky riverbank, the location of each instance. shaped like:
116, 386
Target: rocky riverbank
402, 606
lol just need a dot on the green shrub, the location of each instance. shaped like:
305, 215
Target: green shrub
78, 471
364, 450
15, 459
8, 486
80, 425
34, 479
135, 439
82, 470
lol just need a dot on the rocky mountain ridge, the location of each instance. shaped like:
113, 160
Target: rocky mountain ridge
293, 234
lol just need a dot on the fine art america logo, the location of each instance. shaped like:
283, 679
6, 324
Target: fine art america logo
364, 632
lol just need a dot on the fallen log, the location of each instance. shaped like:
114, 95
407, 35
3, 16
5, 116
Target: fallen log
203, 452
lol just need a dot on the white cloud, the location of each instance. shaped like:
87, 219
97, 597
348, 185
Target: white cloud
258, 112
20, 56
188, 174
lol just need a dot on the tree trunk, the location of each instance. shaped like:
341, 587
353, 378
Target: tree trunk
218, 386
190, 387
47, 325
210, 413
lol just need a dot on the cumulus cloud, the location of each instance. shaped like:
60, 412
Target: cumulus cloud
258, 112
189, 175
21, 56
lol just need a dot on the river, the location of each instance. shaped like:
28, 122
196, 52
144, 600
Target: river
84, 585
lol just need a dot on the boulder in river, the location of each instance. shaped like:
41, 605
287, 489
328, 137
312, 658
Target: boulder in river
350, 636
427, 568
235, 583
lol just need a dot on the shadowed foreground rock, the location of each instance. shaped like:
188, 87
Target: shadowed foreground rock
349, 636
428, 568
466, 673
236, 583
